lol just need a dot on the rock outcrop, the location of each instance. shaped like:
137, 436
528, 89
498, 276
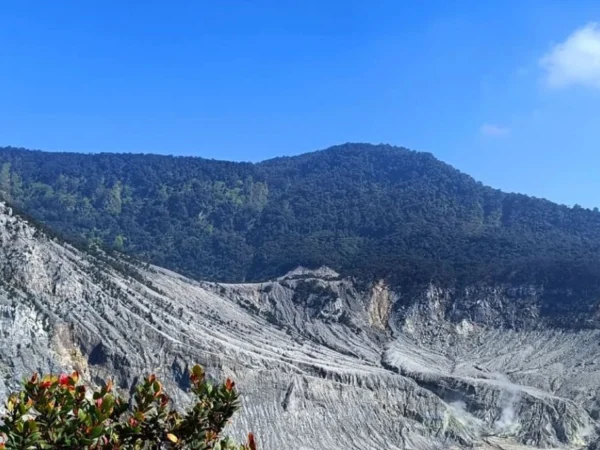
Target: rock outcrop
321, 361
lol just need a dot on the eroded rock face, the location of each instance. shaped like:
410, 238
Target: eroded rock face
321, 362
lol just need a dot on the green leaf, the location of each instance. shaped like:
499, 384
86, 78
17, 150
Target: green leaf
97, 431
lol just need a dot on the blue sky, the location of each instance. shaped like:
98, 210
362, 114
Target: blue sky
507, 91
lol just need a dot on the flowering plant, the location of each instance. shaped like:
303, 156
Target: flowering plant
58, 412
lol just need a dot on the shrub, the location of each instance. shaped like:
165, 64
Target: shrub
57, 412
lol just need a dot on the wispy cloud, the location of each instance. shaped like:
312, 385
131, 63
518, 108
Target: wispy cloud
576, 61
493, 130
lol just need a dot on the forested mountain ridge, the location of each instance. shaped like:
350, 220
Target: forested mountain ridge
371, 211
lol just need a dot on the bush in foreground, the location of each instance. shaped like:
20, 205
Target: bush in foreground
60, 413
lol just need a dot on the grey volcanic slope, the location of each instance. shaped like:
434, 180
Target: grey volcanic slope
321, 363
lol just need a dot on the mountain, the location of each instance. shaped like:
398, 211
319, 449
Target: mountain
367, 211
321, 361
362, 296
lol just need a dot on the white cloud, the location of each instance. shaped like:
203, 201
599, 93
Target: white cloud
489, 129
575, 61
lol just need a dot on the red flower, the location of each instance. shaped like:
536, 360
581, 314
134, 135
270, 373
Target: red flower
229, 384
251, 442
164, 400
63, 380
45, 384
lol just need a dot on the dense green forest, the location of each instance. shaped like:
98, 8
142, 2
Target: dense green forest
368, 211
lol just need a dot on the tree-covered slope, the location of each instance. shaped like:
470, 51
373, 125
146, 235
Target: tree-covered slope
373, 211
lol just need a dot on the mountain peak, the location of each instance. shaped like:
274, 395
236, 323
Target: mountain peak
370, 211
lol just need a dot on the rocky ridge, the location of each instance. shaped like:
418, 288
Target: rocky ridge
322, 361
